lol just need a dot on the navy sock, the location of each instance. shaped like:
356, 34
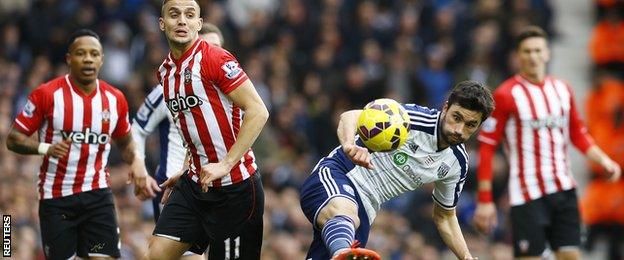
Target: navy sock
338, 233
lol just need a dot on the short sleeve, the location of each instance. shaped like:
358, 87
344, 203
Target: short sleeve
222, 69
152, 111
493, 128
32, 115
123, 124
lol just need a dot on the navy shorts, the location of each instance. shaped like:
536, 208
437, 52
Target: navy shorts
329, 180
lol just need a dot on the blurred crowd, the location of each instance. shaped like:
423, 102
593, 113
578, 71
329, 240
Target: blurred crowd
605, 119
309, 60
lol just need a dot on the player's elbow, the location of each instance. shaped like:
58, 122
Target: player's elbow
263, 114
441, 215
12, 142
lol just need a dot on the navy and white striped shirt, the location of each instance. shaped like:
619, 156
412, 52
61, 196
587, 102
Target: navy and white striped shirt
154, 114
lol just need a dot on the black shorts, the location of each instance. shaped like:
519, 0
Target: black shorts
553, 218
228, 218
82, 224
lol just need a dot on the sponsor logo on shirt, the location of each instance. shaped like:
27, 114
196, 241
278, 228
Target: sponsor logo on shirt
86, 137
443, 170
183, 103
549, 122
231, 69
399, 158
29, 109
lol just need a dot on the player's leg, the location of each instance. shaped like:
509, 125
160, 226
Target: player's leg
564, 234
329, 201
157, 206
58, 228
237, 232
528, 229
179, 227
164, 248
98, 232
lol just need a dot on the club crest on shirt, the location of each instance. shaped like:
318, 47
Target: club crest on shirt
231, 69
187, 76
29, 109
443, 170
105, 115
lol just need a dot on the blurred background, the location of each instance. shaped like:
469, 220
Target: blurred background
311, 60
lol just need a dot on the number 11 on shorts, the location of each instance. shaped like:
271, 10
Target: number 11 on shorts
236, 248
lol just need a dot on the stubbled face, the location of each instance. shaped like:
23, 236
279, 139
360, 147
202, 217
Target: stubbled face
85, 59
181, 21
459, 124
212, 38
533, 54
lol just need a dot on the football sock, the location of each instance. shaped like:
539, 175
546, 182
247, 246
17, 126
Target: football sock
338, 233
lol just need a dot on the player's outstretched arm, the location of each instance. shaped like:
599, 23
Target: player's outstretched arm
448, 227
23, 144
347, 127
145, 186
256, 115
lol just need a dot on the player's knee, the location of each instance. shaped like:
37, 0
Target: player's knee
338, 206
155, 252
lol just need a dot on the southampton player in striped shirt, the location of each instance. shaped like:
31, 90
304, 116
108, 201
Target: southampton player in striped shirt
219, 201
346, 189
536, 115
76, 117
154, 114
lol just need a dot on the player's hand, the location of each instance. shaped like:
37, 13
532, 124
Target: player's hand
485, 218
145, 186
612, 168
60, 150
359, 155
211, 172
168, 186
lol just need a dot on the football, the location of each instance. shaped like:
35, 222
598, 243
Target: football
383, 125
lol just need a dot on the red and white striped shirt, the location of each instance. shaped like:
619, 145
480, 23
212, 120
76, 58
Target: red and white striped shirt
59, 110
195, 89
537, 123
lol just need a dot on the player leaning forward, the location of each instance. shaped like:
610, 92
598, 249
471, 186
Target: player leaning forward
346, 189
219, 201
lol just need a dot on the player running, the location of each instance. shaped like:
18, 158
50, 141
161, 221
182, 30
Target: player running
153, 114
346, 189
537, 117
219, 201
76, 117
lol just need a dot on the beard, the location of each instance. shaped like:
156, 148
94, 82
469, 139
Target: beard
451, 139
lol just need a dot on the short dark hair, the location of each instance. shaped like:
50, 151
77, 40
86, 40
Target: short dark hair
473, 96
530, 32
79, 33
165, 1
211, 28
